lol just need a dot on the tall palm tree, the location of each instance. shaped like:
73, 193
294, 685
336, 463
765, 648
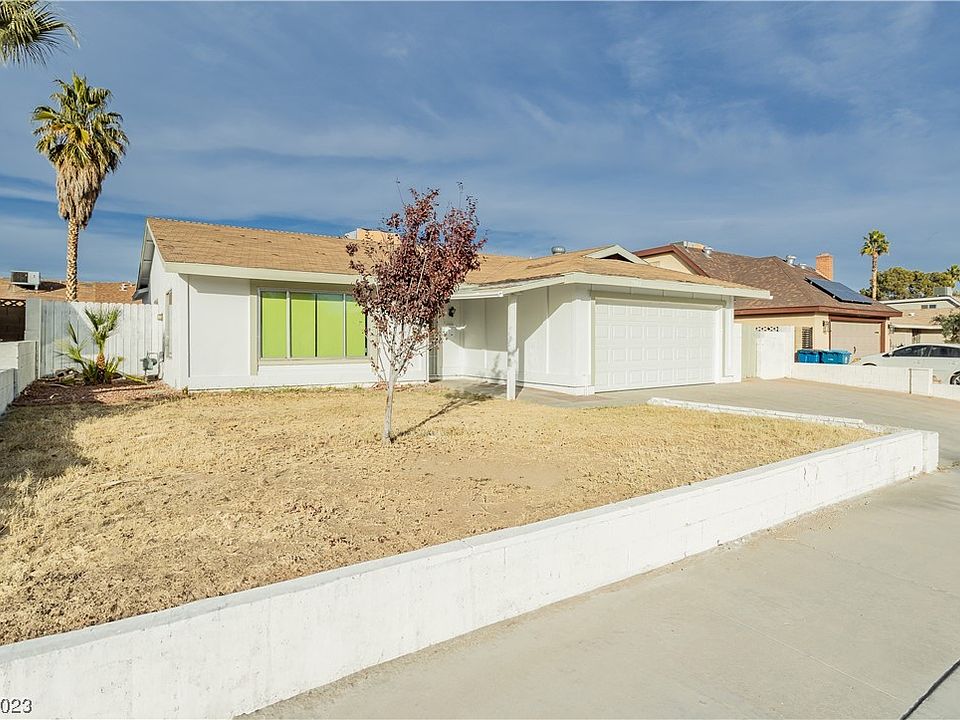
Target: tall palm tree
875, 244
30, 31
84, 142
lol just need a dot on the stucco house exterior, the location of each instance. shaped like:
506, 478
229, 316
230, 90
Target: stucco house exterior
823, 314
245, 307
916, 324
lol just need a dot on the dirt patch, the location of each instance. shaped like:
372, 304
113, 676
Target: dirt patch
111, 510
119, 392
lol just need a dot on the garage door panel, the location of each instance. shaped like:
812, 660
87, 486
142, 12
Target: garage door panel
650, 345
859, 338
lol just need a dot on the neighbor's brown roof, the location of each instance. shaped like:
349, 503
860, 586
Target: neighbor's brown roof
500, 269
207, 244
103, 292
921, 317
786, 283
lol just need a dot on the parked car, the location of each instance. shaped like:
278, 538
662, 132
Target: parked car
942, 358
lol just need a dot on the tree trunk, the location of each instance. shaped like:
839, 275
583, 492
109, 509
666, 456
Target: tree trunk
388, 413
73, 236
873, 283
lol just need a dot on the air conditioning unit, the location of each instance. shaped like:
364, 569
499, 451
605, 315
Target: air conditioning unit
25, 278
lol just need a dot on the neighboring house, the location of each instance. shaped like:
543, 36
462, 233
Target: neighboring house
244, 307
916, 325
13, 300
824, 314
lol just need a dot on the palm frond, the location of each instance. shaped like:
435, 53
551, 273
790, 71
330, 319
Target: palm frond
30, 31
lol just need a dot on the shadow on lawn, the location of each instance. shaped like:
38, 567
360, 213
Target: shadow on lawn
455, 400
37, 446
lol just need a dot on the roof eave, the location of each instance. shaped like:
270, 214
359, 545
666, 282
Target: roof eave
573, 278
254, 273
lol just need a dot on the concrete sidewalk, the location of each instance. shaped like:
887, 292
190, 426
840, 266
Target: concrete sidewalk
850, 612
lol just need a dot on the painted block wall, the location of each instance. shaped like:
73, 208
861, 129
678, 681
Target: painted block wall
229, 655
8, 387
22, 358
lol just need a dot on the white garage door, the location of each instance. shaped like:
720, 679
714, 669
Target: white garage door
648, 345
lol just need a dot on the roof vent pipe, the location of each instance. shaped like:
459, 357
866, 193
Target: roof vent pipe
791, 259
558, 250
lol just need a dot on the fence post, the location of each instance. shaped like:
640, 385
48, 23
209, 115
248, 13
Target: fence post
32, 331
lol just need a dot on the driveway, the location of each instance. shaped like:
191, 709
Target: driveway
850, 612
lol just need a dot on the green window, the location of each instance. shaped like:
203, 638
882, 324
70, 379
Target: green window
356, 329
303, 325
311, 325
330, 325
273, 324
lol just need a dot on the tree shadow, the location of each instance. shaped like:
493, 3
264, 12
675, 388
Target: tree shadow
456, 399
37, 447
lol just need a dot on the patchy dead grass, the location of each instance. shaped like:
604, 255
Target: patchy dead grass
108, 511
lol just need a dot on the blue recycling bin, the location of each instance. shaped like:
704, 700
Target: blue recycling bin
835, 357
808, 356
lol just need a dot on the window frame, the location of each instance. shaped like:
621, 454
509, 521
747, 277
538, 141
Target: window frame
289, 360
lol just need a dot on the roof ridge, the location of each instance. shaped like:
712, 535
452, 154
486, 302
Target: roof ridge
246, 227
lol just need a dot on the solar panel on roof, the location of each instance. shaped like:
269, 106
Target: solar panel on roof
839, 291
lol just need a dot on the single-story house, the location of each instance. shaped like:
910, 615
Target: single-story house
916, 325
823, 313
245, 307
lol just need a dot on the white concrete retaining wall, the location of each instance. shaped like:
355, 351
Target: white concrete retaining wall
863, 376
915, 381
760, 412
233, 654
22, 357
8, 390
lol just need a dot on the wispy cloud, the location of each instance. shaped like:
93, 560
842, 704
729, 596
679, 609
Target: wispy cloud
756, 127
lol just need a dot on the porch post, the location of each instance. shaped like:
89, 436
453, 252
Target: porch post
512, 347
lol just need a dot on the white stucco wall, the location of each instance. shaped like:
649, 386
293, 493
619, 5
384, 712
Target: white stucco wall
215, 335
173, 367
553, 339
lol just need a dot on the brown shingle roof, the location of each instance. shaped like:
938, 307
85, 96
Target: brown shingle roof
500, 269
198, 243
207, 244
103, 292
922, 317
786, 283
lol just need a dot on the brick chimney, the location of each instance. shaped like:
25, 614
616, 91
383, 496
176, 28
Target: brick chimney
825, 265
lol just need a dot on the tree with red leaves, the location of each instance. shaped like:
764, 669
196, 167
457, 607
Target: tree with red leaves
407, 276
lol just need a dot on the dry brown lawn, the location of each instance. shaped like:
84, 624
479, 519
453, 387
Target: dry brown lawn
108, 511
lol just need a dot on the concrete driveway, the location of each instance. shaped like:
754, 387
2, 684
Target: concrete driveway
849, 612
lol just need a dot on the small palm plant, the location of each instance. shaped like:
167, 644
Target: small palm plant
101, 369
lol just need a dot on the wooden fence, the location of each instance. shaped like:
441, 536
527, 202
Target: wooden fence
138, 333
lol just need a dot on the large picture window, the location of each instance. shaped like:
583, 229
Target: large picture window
297, 324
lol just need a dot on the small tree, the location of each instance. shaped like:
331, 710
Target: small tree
949, 326
407, 276
101, 369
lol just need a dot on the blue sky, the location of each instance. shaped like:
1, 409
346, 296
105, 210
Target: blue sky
756, 128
